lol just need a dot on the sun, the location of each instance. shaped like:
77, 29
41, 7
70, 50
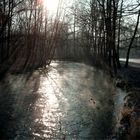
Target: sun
50, 5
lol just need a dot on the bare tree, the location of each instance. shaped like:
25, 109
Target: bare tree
131, 42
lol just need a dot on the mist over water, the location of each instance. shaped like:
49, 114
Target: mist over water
68, 101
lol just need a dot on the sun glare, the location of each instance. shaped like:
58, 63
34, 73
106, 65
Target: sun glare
50, 5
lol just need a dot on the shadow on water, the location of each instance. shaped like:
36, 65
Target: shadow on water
6, 109
18, 97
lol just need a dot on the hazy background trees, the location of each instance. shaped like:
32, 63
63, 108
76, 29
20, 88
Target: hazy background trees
28, 36
102, 29
90, 29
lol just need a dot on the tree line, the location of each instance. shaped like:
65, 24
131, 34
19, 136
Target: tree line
102, 25
98, 29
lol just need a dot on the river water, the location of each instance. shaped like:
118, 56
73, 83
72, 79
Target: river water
67, 101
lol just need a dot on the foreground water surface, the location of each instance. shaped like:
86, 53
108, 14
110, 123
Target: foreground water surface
67, 101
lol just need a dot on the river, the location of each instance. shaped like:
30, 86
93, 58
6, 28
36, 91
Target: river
67, 101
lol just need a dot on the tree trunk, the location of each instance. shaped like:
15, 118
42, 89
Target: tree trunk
131, 42
119, 31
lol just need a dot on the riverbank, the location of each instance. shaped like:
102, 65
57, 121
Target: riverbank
128, 79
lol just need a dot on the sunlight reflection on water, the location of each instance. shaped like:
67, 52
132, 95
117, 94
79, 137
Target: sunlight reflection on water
51, 96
